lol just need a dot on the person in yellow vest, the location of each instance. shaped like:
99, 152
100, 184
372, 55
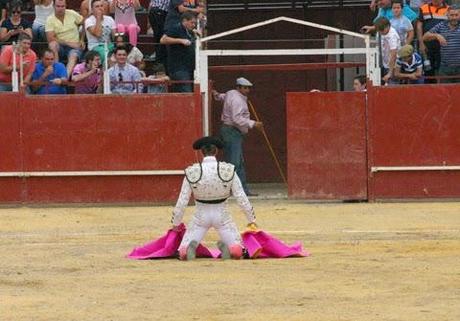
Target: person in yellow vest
430, 15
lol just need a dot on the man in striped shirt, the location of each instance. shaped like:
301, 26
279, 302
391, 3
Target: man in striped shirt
409, 66
158, 9
447, 33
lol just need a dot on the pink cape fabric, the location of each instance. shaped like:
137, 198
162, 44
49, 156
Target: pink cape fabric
259, 244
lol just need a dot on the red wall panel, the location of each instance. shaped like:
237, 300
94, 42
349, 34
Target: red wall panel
326, 138
91, 133
414, 126
108, 189
109, 132
10, 147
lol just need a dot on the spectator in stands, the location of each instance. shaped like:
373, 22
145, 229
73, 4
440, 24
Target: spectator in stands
50, 76
43, 9
385, 10
359, 83
447, 33
416, 4
87, 75
413, 4
99, 30
181, 51
63, 35
175, 11
201, 17
124, 76
158, 9
135, 56
125, 18
3, 10
15, 25
6, 61
401, 23
409, 66
159, 75
85, 8
390, 44
430, 15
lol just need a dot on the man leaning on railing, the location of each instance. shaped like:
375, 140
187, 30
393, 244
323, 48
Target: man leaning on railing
124, 78
19, 55
49, 77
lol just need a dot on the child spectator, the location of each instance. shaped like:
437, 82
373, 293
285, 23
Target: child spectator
6, 61
87, 75
125, 18
43, 9
49, 77
359, 83
390, 43
409, 66
159, 74
15, 25
401, 23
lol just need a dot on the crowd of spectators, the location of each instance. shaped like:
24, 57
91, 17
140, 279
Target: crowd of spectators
419, 43
419, 40
76, 48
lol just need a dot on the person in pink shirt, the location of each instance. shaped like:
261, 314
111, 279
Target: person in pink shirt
236, 124
87, 76
6, 61
125, 18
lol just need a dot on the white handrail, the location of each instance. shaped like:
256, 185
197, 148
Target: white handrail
91, 173
376, 169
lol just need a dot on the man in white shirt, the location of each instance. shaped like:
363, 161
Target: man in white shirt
211, 183
390, 44
100, 29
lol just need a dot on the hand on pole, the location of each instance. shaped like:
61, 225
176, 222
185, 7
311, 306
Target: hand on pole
259, 126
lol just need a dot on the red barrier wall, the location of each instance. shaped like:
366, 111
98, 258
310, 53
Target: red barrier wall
326, 144
414, 126
90, 133
10, 147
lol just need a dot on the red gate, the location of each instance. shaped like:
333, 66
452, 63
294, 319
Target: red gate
326, 139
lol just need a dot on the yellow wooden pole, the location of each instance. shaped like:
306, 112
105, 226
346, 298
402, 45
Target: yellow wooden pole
253, 110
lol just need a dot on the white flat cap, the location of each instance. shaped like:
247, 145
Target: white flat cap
243, 82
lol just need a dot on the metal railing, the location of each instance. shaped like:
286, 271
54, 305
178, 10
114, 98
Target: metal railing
231, 5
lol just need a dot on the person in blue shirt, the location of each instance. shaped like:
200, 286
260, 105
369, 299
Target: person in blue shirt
49, 77
409, 66
385, 10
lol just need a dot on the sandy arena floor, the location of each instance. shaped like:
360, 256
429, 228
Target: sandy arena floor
394, 261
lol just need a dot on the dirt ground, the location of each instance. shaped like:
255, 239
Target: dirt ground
393, 261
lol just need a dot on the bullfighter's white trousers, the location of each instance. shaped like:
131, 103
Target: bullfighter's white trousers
212, 215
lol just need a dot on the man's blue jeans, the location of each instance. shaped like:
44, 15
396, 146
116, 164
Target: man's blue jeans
233, 151
180, 75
